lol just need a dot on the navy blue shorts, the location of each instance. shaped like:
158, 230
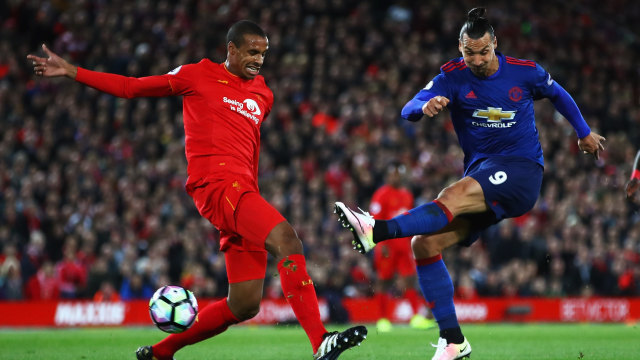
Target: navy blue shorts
511, 186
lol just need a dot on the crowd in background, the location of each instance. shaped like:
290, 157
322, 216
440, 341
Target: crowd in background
92, 199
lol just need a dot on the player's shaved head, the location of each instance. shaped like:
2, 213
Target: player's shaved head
477, 25
238, 30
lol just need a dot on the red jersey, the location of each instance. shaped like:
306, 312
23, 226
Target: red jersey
388, 202
222, 113
392, 256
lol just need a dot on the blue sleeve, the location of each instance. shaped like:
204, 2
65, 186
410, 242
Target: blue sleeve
545, 87
412, 111
567, 107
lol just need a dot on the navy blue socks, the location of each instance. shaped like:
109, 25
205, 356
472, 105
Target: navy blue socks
437, 289
425, 219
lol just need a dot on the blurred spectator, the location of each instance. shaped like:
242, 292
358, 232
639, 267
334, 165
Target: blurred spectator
44, 285
10, 276
106, 293
73, 277
135, 286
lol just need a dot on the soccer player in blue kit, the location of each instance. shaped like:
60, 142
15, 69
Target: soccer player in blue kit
490, 97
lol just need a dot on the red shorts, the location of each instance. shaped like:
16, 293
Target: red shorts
394, 256
244, 265
244, 218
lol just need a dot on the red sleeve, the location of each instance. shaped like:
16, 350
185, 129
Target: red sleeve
130, 87
411, 200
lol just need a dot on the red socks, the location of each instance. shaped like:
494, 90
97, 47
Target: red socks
300, 293
212, 320
217, 317
415, 299
383, 299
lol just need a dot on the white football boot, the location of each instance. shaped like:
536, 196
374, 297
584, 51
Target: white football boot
360, 224
451, 351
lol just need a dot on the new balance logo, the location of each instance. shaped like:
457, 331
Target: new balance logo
471, 95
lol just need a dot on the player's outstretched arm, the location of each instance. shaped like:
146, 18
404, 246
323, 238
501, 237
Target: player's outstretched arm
592, 144
634, 183
116, 85
52, 66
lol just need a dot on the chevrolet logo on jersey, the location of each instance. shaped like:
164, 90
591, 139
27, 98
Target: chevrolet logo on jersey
494, 114
494, 118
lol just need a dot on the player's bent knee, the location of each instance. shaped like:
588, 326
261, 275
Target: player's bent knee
245, 309
425, 246
463, 196
244, 298
283, 241
248, 312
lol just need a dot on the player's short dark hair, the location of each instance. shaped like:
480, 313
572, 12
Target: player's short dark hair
241, 28
477, 24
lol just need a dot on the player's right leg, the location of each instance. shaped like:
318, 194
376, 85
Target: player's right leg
462, 197
437, 286
245, 271
214, 319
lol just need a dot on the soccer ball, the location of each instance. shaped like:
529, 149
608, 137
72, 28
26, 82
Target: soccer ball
173, 309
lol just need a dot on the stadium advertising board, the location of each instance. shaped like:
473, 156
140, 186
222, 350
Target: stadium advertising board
88, 313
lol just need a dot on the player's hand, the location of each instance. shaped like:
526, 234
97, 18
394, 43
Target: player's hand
592, 144
52, 66
632, 187
434, 105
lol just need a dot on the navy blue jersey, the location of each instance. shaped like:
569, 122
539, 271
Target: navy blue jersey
492, 116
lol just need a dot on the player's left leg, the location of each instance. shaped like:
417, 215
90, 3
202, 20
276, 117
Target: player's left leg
283, 243
437, 286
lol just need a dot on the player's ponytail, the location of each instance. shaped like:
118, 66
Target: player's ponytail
476, 13
477, 24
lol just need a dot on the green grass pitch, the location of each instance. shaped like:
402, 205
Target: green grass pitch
489, 341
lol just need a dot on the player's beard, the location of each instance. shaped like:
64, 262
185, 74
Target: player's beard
481, 71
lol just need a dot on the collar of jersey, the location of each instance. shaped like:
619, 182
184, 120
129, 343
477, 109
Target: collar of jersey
224, 65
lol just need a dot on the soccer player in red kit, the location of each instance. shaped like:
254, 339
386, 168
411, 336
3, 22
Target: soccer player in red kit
395, 256
223, 107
